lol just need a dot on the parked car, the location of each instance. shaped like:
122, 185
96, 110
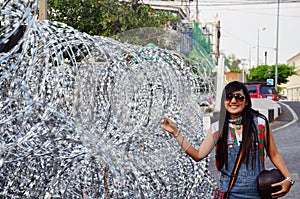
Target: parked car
262, 90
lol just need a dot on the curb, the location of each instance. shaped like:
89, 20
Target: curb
267, 107
294, 115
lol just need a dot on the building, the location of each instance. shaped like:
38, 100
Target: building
292, 87
182, 8
179, 7
233, 76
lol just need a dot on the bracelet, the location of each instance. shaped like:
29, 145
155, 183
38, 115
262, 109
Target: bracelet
177, 134
291, 180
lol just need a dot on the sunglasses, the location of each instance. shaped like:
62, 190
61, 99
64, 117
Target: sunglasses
238, 97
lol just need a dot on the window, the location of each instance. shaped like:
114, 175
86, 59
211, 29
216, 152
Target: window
252, 89
267, 90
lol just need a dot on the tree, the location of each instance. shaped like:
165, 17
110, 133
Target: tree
261, 73
233, 63
106, 17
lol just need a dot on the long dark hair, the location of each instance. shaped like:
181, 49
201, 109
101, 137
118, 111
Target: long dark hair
250, 132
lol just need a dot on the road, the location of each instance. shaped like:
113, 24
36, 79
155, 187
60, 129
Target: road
286, 132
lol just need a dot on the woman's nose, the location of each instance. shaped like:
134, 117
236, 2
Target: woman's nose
233, 99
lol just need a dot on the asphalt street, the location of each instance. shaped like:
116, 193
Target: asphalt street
286, 132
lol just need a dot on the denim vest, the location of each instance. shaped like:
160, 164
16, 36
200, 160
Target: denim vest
245, 184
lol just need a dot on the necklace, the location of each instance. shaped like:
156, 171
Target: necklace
237, 122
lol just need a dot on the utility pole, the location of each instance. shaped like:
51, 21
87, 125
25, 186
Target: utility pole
43, 10
257, 62
197, 11
218, 41
220, 81
277, 36
250, 57
243, 62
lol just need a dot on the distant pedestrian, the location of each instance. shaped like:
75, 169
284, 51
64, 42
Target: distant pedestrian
239, 126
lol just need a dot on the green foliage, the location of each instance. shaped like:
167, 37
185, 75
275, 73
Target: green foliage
106, 17
279, 90
261, 73
233, 63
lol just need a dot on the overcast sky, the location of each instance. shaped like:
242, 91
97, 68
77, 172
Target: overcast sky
240, 25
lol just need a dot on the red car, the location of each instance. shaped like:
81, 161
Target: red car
262, 91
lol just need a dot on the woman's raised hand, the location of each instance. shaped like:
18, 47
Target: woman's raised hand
168, 125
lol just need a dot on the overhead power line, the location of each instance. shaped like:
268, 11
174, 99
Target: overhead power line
243, 2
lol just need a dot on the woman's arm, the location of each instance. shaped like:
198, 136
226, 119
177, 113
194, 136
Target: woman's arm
197, 154
278, 162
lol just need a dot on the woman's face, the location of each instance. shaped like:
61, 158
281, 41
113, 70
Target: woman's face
235, 103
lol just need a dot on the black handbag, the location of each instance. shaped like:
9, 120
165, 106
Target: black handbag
264, 181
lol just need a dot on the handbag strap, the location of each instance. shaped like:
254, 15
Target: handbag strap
235, 170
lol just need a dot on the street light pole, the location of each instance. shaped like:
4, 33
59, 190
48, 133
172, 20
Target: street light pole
258, 46
277, 36
250, 56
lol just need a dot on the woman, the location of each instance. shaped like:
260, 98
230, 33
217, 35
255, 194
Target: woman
240, 126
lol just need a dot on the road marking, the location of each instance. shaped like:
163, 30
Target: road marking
295, 118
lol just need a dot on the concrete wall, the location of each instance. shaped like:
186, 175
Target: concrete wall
271, 109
